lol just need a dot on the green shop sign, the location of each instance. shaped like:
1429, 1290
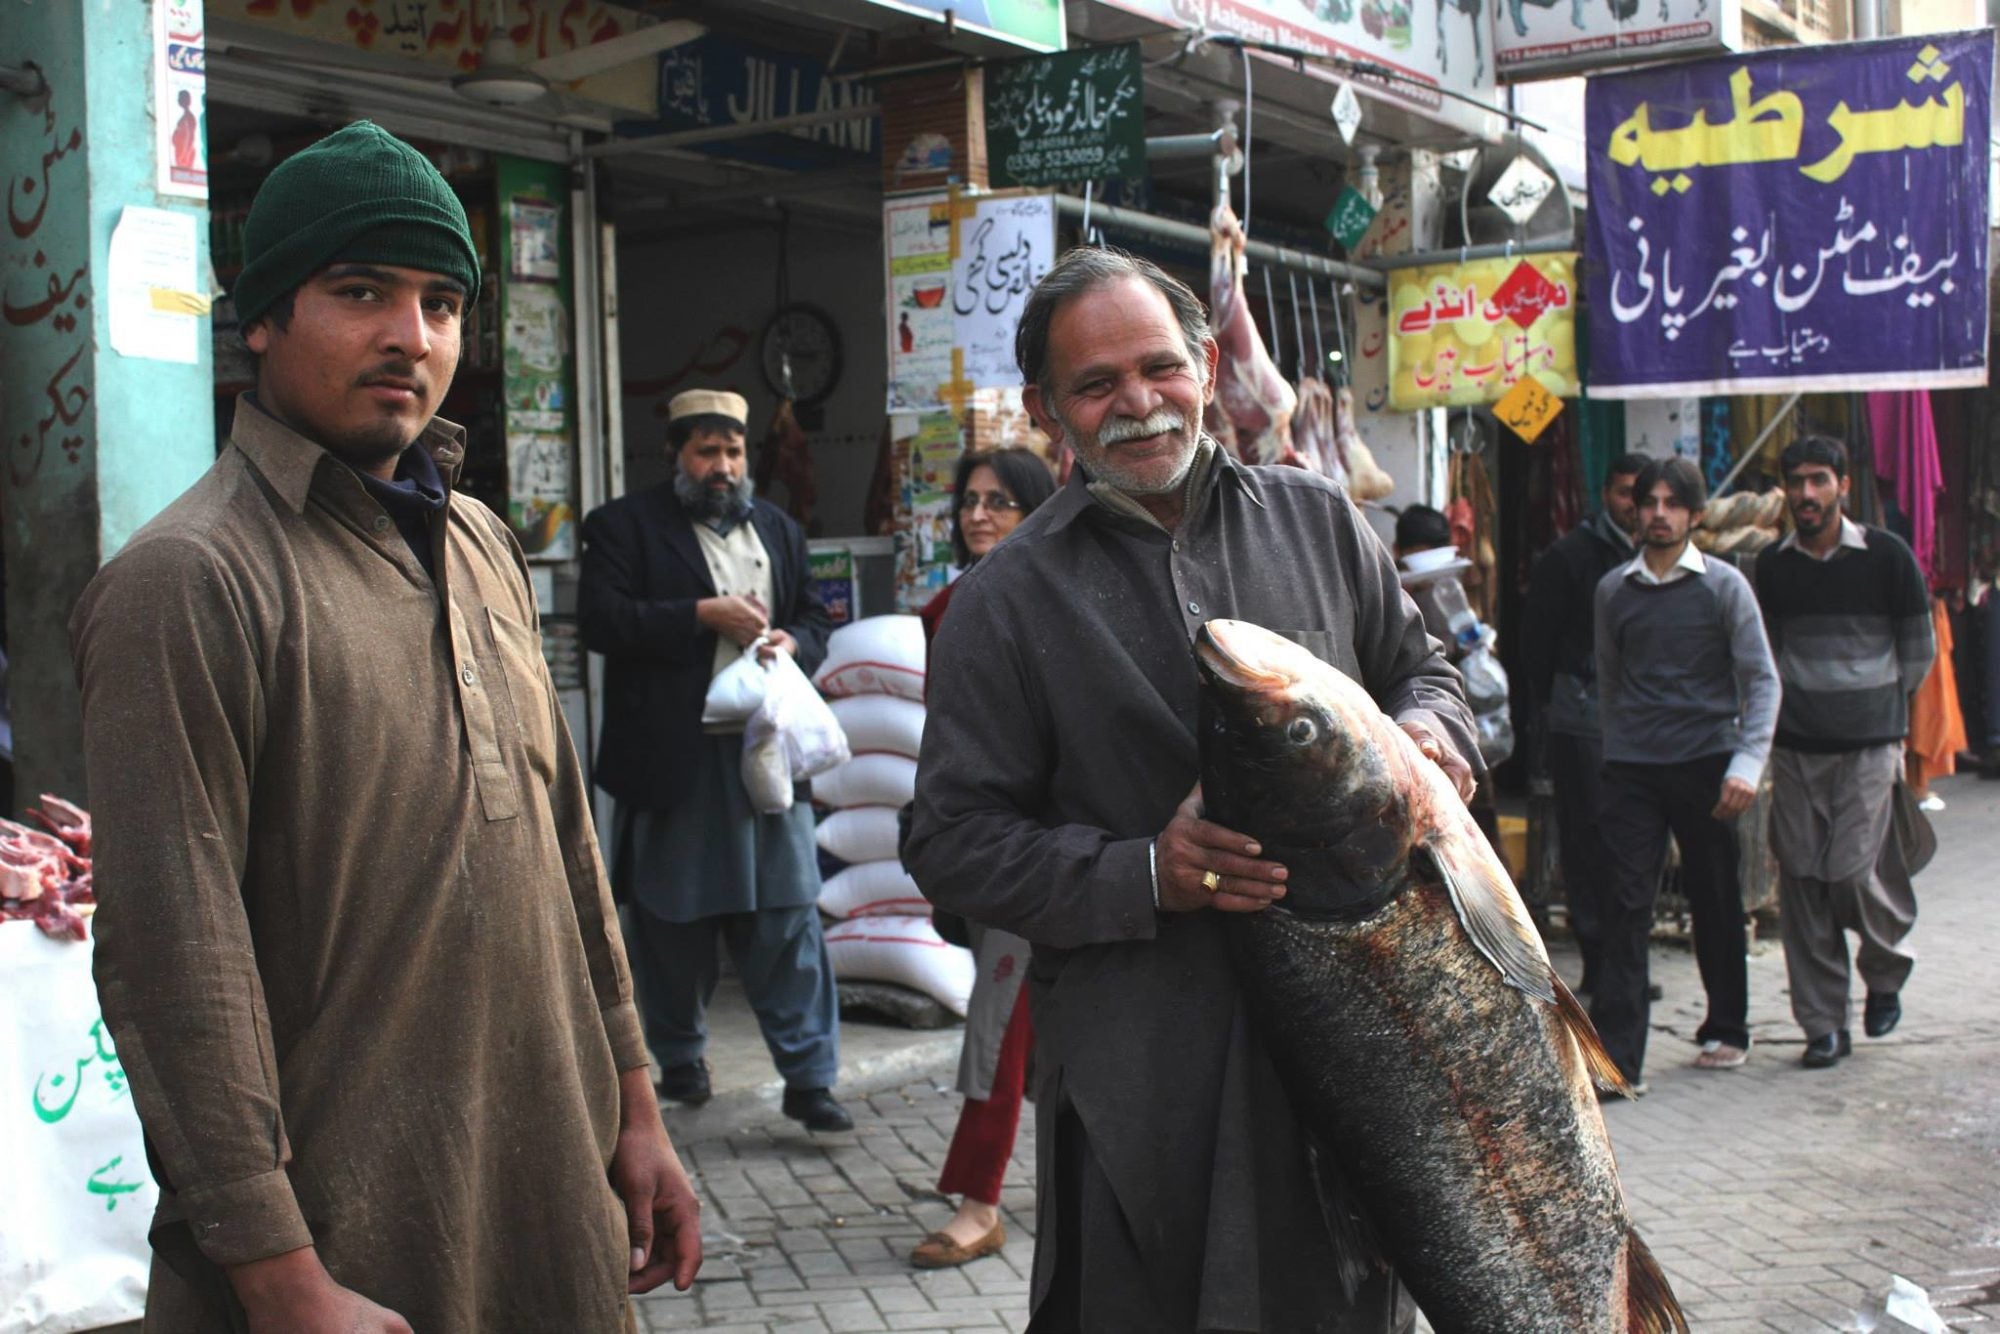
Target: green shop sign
1069, 117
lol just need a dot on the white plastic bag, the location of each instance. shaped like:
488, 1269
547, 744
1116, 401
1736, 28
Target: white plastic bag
791, 737
73, 1252
737, 690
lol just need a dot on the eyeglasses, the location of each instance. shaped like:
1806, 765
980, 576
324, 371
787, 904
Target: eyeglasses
995, 502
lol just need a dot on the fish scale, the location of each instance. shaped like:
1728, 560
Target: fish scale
1427, 1046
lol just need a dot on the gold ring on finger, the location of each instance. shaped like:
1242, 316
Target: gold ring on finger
1210, 881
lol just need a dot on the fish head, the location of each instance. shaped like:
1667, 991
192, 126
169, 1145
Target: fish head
1291, 749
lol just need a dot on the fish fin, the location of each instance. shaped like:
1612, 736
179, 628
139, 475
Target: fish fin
1491, 911
1650, 1304
1603, 1070
1357, 1251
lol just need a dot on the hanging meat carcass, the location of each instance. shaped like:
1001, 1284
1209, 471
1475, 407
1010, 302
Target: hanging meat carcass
1313, 436
1365, 478
786, 456
1253, 395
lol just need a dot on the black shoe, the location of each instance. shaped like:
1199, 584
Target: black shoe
686, 1084
1881, 1015
1827, 1049
817, 1110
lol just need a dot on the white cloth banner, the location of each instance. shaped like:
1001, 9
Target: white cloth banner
78, 1197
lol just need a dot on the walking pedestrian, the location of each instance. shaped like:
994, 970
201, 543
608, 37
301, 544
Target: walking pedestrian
353, 938
1688, 697
1850, 623
1057, 798
679, 581
991, 494
1559, 660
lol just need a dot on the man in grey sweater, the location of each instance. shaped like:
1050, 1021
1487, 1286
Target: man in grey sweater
1688, 699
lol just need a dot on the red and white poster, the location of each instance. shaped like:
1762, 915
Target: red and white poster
180, 92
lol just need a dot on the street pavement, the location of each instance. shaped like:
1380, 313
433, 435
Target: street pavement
1777, 1198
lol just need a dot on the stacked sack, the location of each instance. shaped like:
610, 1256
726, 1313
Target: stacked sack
873, 678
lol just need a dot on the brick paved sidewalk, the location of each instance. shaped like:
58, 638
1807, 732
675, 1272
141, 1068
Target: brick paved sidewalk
1777, 1198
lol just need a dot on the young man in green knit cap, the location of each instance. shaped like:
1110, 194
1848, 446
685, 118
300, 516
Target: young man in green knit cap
355, 940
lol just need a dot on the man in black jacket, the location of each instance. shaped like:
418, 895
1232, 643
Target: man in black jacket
1559, 655
678, 582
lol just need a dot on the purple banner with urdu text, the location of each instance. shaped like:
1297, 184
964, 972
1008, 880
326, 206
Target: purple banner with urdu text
1811, 218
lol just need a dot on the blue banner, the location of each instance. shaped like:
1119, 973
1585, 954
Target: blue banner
1810, 218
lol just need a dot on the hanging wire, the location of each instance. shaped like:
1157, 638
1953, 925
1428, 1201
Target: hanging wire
1298, 330
1271, 318
1247, 105
1087, 187
1319, 348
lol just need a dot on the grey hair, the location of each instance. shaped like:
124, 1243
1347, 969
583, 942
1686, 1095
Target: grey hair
1082, 270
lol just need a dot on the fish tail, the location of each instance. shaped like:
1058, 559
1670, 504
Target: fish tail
1604, 1071
1650, 1304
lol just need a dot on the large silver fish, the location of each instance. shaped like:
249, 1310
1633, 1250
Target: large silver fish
1440, 1065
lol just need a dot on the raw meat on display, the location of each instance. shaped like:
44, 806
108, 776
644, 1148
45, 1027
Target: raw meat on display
45, 879
1253, 395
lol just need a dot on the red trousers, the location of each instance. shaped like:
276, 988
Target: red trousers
984, 1140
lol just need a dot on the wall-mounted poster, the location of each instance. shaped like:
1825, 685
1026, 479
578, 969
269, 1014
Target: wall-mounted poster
1535, 39
537, 359
180, 99
1461, 334
1813, 217
536, 245
958, 273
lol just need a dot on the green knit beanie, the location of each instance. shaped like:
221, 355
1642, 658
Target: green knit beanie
360, 195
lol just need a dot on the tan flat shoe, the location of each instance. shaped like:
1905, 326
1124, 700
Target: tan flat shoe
938, 1251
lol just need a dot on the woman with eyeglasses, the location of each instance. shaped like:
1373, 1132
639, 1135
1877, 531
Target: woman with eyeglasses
992, 494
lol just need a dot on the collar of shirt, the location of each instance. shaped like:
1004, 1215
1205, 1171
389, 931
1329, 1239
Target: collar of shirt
290, 462
1212, 467
416, 491
1690, 562
1613, 533
1852, 537
722, 524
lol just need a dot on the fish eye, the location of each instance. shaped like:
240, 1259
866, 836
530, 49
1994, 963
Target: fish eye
1302, 732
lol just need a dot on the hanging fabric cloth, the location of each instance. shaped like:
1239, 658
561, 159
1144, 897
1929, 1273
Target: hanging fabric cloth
1937, 725
1906, 459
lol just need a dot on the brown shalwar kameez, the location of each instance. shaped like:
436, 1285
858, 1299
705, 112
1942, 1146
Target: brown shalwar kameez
355, 941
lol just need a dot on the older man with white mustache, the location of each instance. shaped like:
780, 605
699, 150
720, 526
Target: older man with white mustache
1178, 1192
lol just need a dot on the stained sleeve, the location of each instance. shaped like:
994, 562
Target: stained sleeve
167, 659
613, 614
977, 845
1757, 689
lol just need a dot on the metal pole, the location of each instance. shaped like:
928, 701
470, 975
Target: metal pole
1184, 145
1497, 250
805, 120
1777, 418
1186, 233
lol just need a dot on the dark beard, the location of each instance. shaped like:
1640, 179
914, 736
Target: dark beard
708, 502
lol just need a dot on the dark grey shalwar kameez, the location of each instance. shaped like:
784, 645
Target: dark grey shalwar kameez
1174, 1192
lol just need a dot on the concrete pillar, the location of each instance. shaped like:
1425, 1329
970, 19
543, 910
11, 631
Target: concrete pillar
95, 442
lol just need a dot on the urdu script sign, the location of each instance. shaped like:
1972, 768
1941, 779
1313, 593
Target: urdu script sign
1807, 218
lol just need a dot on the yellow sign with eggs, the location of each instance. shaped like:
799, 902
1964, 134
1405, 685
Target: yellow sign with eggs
1465, 334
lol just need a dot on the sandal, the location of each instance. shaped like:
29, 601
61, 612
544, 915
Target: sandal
1719, 1055
938, 1251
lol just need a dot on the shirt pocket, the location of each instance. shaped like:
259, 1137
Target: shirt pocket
520, 652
